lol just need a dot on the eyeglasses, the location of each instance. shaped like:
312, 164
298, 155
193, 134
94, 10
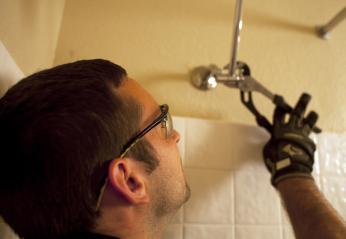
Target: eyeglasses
166, 122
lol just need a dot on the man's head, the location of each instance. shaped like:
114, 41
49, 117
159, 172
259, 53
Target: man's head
59, 127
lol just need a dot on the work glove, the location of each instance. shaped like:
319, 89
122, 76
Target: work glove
290, 152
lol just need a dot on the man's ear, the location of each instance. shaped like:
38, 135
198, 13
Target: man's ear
128, 179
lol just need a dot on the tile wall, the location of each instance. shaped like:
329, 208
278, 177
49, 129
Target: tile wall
232, 197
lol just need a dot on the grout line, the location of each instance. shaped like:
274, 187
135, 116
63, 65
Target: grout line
233, 170
211, 169
233, 203
232, 225
332, 176
182, 231
208, 224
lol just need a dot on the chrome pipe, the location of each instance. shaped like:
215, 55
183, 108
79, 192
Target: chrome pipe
236, 37
208, 77
323, 31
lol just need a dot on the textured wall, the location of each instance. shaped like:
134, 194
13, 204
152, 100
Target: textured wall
160, 41
9, 71
29, 29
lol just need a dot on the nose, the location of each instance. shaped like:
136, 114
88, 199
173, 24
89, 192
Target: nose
176, 136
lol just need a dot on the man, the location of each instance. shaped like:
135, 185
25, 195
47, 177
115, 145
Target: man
88, 153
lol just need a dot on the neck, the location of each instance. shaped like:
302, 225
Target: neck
127, 222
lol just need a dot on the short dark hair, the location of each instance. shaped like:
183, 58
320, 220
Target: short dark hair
57, 127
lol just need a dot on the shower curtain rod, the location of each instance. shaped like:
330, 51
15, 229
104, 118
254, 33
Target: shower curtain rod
324, 31
236, 37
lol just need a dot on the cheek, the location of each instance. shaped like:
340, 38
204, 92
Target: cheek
173, 162
167, 151
160, 132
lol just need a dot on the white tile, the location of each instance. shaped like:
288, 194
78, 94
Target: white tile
332, 154
284, 216
314, 137
208, 232
256, 200
208, 144
211, 200
179, 125
317, 181
219, 145
6, 232
316, 170
178, 217
174, 231
335, 191
288, 233
257, 232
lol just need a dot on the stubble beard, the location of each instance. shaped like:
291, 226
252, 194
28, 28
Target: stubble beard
167, 203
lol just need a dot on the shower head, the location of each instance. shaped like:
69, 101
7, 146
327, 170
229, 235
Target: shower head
205, 77
208, 77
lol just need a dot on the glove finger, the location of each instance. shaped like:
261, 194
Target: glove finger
309, 122
311, 119
299, 109
279, 115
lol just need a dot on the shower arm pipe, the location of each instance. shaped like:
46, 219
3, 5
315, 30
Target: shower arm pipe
323, 31
236, 37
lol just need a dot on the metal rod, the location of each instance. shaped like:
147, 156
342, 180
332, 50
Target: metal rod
323, 31
236, 38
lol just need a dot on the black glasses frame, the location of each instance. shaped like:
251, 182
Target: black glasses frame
132, 142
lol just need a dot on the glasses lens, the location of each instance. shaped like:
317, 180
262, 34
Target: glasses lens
169, 126
166, 127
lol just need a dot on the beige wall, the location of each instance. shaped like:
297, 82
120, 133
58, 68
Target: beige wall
29, 29
158, 42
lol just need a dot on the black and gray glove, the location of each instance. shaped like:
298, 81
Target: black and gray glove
290, 152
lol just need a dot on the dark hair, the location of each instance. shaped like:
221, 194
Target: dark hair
57, 127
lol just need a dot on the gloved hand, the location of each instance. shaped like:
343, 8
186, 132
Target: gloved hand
290, 152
